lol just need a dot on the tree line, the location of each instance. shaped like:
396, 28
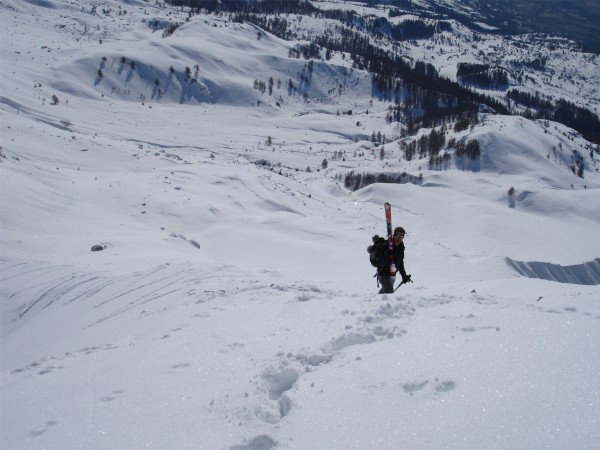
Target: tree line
355, 181
562, 111
482, 75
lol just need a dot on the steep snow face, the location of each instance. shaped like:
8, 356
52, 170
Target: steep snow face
232, 304
586, 273
551, 149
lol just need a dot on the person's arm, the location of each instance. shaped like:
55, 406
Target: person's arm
400, 267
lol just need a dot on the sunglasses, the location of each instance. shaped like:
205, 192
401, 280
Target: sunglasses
398, 235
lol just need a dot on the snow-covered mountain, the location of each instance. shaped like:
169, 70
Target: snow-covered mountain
232, 305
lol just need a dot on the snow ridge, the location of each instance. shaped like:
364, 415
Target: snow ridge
586, 273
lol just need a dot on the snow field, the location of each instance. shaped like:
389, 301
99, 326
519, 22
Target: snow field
233, 306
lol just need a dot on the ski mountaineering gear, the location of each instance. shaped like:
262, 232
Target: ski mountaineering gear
388, 222
388, 256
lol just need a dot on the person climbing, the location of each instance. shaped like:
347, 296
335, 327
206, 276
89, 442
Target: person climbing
380, 257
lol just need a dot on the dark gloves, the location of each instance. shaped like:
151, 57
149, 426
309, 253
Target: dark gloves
406, 279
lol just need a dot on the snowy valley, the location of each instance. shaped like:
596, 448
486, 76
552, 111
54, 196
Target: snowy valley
230, 303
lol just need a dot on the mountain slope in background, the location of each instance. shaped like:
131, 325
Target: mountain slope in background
577, 20
233, 305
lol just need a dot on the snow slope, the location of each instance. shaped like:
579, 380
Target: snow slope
233, 305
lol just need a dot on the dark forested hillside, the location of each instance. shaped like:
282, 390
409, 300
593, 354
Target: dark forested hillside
421, 96
578, 20
575, 19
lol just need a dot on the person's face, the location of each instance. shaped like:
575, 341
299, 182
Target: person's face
398, 237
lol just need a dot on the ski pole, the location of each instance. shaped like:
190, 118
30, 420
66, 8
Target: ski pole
402, 282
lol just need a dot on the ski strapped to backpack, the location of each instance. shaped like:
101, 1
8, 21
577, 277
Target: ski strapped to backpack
381, 246
390, 237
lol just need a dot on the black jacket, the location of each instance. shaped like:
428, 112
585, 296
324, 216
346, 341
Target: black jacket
383, 266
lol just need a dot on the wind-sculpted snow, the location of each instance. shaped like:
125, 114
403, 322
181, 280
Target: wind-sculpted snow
586, 273
229, 303
272, 358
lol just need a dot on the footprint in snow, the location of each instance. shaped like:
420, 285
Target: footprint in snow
112, 396
279, 404
49, 369
262, 442
41, 430
474, 329
411, 388
280, 382
181, 366
443, 386
348, 340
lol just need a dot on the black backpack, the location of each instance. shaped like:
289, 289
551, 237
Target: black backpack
377, 251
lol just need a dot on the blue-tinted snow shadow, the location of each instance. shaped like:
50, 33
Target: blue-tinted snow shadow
587, 273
